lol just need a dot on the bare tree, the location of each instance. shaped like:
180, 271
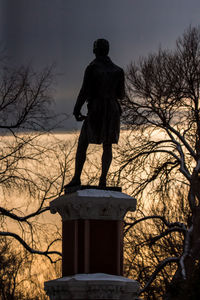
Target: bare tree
161, 158
14, 285
33, 162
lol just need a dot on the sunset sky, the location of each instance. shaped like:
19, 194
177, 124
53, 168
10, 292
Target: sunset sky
42, 32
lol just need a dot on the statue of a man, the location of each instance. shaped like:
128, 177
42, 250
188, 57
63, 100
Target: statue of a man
102, 87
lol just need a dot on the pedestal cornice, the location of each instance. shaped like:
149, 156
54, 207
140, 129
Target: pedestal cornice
93, 204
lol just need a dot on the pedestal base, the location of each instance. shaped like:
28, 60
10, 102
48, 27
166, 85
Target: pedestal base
92, 286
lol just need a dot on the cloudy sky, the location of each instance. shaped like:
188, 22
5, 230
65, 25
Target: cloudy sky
42, 32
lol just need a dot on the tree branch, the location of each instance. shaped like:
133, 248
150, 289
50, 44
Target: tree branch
174, 224
186, 251
166, 232
13, 216
46, 253
159, 268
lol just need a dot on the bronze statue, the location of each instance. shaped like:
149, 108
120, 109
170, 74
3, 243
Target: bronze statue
102, 87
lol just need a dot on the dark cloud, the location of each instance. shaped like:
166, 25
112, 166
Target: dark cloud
42, 32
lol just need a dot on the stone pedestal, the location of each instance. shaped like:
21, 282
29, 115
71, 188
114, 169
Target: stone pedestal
92, 246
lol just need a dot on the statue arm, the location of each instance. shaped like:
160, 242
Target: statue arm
83, 94
121, 89
121, 86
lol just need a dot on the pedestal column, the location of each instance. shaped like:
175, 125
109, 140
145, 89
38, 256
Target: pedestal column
92, 246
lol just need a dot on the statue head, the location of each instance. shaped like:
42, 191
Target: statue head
101, 47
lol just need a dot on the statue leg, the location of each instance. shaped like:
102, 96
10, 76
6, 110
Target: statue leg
80, 158
106, 161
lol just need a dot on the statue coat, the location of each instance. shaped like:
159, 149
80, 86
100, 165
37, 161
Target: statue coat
102, 88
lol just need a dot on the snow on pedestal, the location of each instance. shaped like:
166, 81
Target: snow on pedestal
92, 286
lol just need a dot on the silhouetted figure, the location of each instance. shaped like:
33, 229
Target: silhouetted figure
103, 85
